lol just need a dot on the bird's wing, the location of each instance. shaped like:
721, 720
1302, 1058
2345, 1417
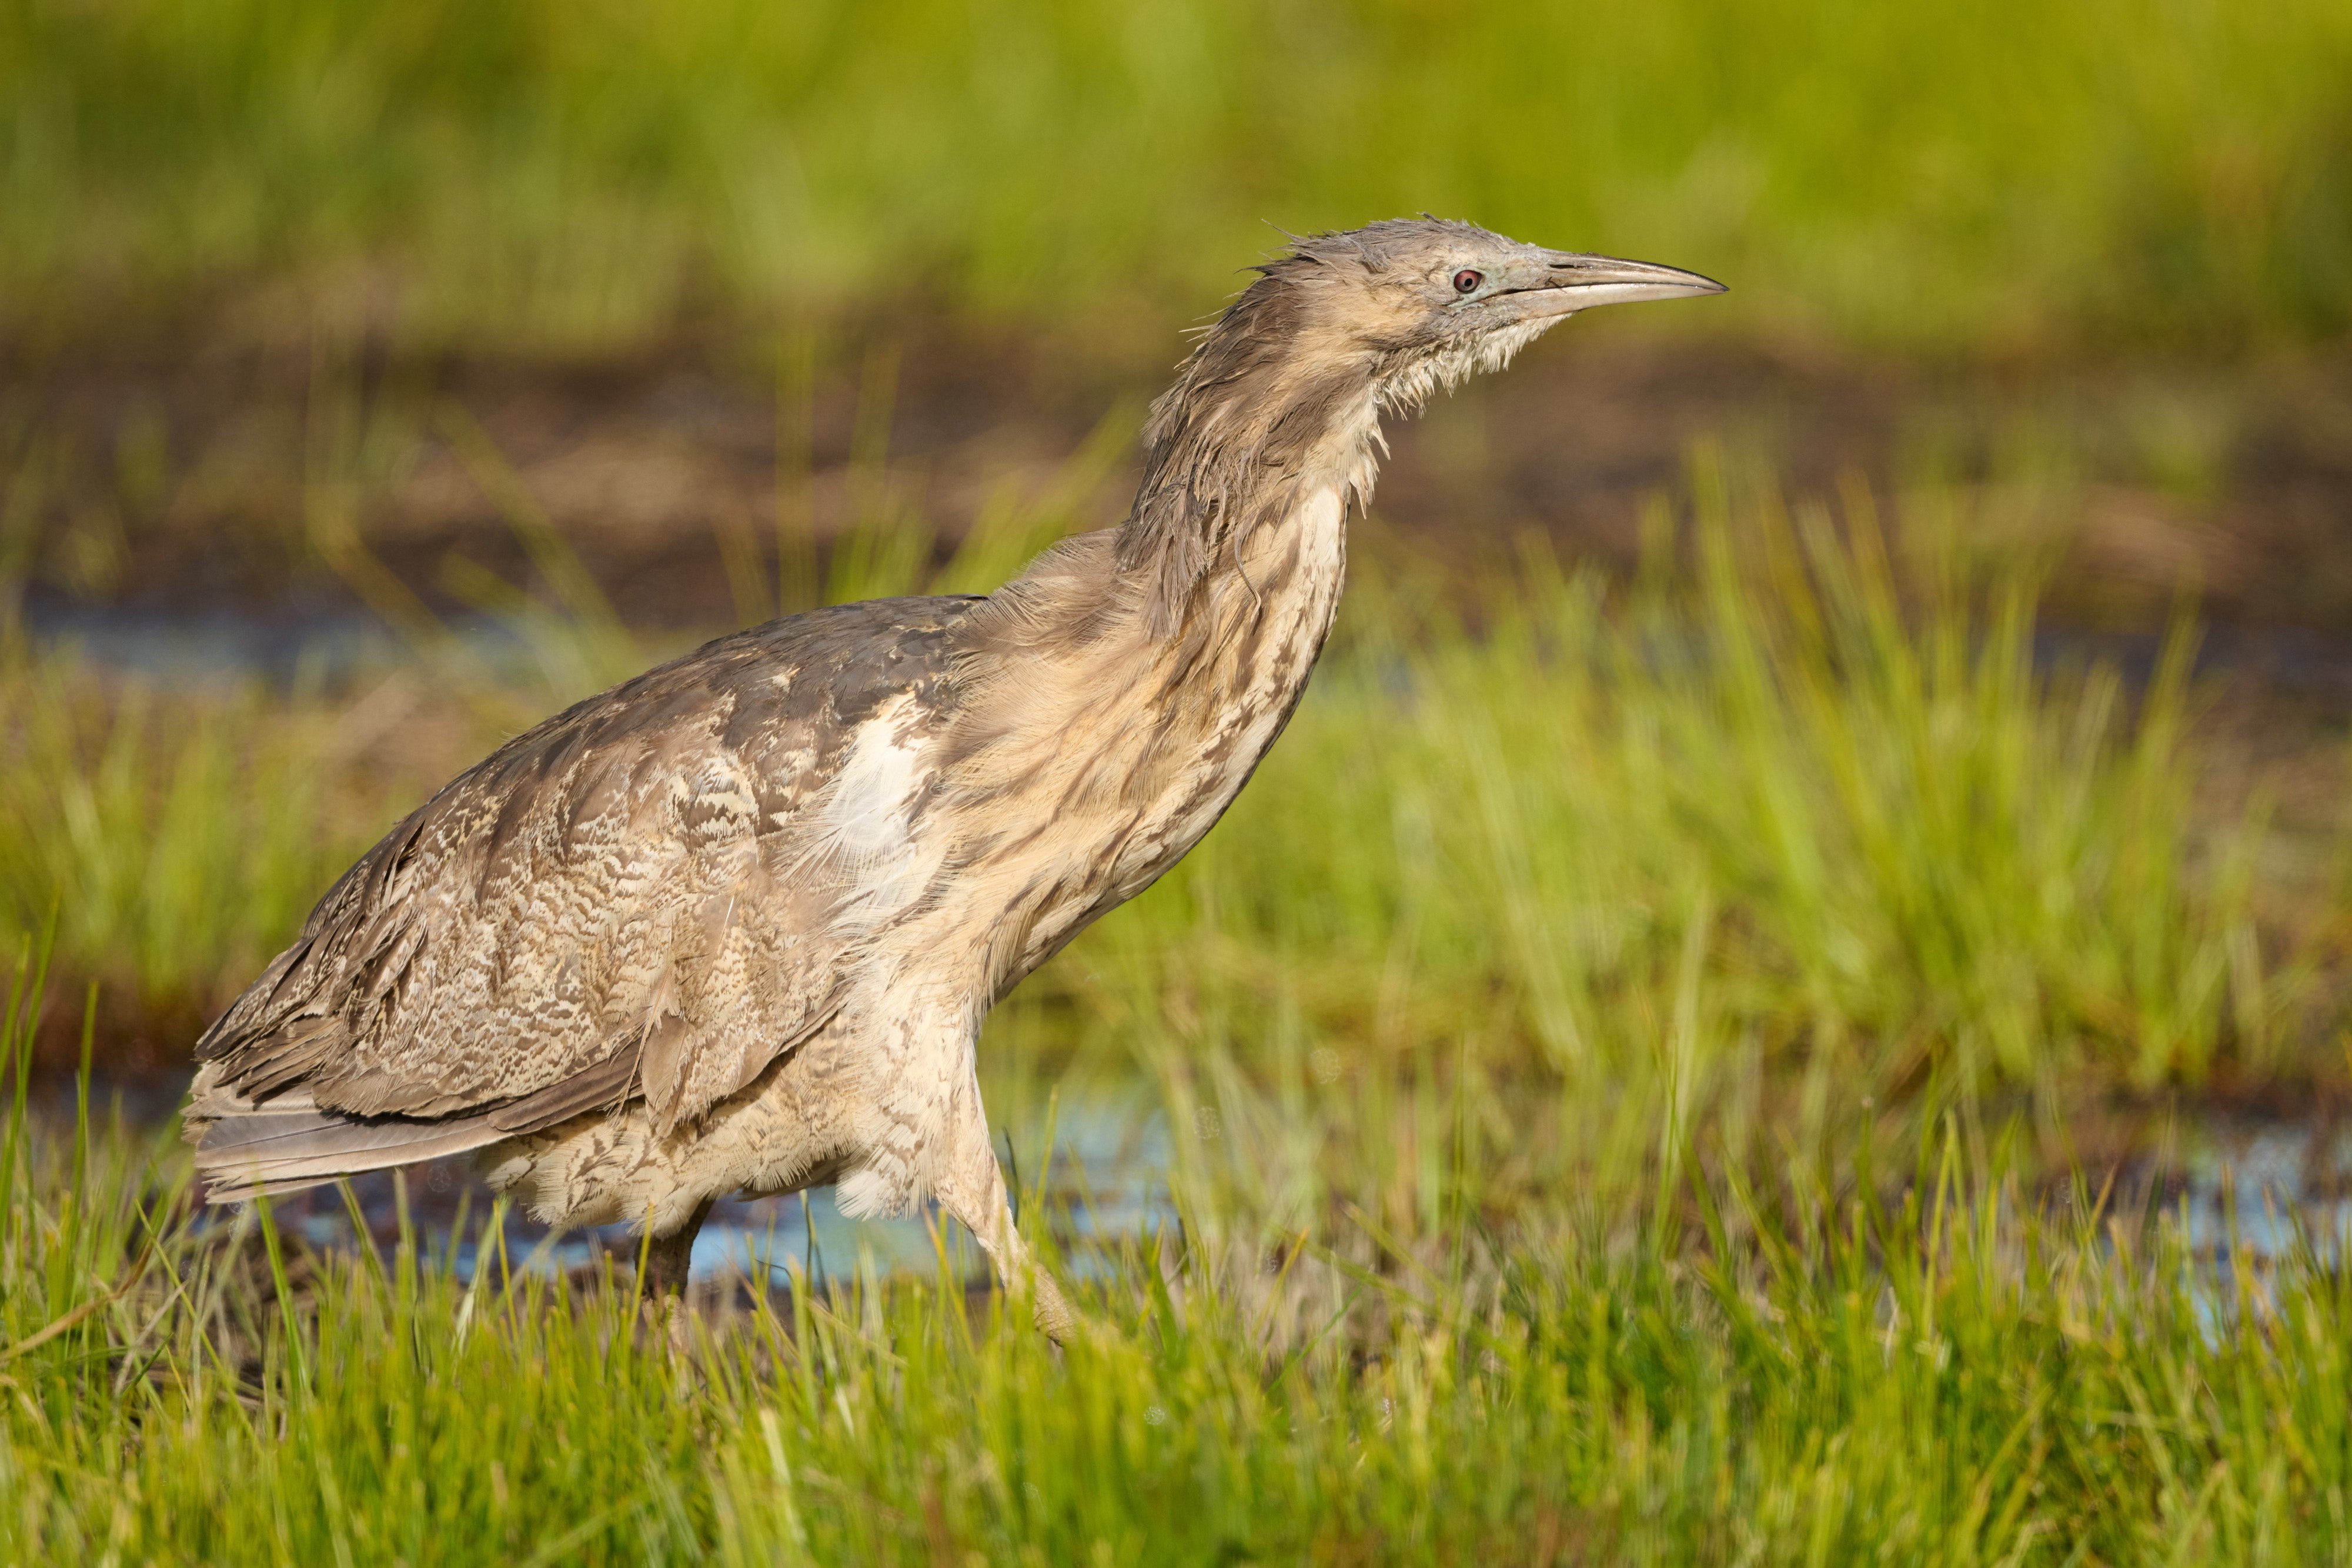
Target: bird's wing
638, 897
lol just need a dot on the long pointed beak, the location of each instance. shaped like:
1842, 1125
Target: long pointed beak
1579, 282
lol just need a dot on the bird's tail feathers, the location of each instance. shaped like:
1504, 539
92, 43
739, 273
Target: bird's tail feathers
288, 1144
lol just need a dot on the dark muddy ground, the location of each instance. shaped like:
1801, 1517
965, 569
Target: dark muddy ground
174, 478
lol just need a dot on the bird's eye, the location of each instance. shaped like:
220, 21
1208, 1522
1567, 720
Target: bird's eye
1466, 281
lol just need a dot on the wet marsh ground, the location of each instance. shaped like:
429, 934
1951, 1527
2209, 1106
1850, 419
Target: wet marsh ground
1785, 997
1744, 1049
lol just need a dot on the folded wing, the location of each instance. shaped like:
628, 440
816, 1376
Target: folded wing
632, 900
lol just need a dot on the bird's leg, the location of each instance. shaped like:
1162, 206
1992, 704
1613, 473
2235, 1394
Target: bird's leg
668, 1258
970, 1186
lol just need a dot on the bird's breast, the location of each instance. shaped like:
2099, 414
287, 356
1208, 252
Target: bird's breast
1145, 765
1104, 763
1278, 615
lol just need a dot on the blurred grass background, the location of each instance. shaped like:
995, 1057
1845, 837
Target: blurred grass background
1649, 1058
1894, 839
2011, 178
1818, 817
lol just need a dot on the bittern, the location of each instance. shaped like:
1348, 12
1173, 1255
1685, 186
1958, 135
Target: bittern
732, 925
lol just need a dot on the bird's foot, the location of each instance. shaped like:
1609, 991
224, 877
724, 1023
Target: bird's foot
669, 1267
1051, 1313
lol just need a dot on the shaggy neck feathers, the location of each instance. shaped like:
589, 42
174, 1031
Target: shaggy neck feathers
1278, 402
1271, 407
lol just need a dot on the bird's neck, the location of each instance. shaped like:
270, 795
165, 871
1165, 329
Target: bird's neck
1257, 424
1171, 649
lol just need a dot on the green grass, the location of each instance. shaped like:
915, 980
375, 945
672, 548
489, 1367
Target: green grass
1806, 810
1624, 1051
1831, 1368
2014, 177
171, 840
1619, 1051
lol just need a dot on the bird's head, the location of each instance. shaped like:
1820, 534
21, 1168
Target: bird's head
1285, 389
1419, 303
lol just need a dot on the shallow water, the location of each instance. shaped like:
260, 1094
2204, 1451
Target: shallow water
1104, 1184
286, 646
2245, 1191
333, 643
2264, 1189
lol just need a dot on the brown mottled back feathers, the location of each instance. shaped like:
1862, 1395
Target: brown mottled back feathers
630, 898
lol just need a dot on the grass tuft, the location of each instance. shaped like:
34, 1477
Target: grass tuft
1929, 1370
